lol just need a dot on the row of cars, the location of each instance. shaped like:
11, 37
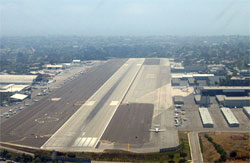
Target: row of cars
11, 112
179, 111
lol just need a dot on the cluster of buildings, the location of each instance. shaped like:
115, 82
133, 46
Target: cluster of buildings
205, 81
14, 88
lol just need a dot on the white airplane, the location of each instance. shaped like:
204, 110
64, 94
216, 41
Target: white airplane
157, 129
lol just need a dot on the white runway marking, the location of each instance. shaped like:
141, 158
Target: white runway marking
138, 64
86, 143
92, 143
82, 141
114, 103
90, 103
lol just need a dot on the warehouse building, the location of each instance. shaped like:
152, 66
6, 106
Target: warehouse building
178, 100
220, 99
175, 82
206, 118
18, 97
230, 118
9, 90
194, 76
239, 81
225, 90
231, 102
17, 79
197, 99
238, 102
53, 67
191, 81
246, 110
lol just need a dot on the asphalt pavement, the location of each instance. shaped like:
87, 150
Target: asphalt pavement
85, 128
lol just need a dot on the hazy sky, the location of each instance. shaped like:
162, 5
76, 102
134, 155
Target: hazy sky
124, 17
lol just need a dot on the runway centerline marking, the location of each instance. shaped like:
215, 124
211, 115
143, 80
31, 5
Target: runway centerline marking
114, 103
90, 103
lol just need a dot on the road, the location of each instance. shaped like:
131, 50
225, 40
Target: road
85, 128
195, 147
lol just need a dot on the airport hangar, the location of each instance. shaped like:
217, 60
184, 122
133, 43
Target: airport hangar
86, 128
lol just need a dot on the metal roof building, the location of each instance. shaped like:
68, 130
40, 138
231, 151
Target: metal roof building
13, 88
246, 110
49, 66
230, 118
236, 101
178, 100
197, 99
17, 79
206, 118
18, 97
223, 90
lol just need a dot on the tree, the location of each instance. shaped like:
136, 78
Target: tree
171, 156
233, 154
183, 154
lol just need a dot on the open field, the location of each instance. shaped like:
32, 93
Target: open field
25, 127
238, 142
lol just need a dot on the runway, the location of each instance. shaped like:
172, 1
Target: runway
26, 129
86, 126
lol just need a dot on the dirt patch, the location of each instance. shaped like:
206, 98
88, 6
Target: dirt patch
130, 124
238, 142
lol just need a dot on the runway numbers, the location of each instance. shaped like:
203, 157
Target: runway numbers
114, 103
90, 103
85, 142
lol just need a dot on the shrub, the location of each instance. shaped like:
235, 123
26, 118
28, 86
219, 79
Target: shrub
183, 154
233, 154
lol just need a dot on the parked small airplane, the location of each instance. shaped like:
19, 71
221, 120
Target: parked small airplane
157, 129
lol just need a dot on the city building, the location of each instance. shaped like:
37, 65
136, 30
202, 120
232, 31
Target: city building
206, 118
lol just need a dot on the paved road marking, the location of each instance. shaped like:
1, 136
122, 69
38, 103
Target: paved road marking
86, 143
92, 143
55, 99
77, 141
114, 103
82, 141
90, 103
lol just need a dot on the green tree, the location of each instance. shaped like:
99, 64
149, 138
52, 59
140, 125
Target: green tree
233, 154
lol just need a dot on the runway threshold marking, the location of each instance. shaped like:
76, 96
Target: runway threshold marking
85, 142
